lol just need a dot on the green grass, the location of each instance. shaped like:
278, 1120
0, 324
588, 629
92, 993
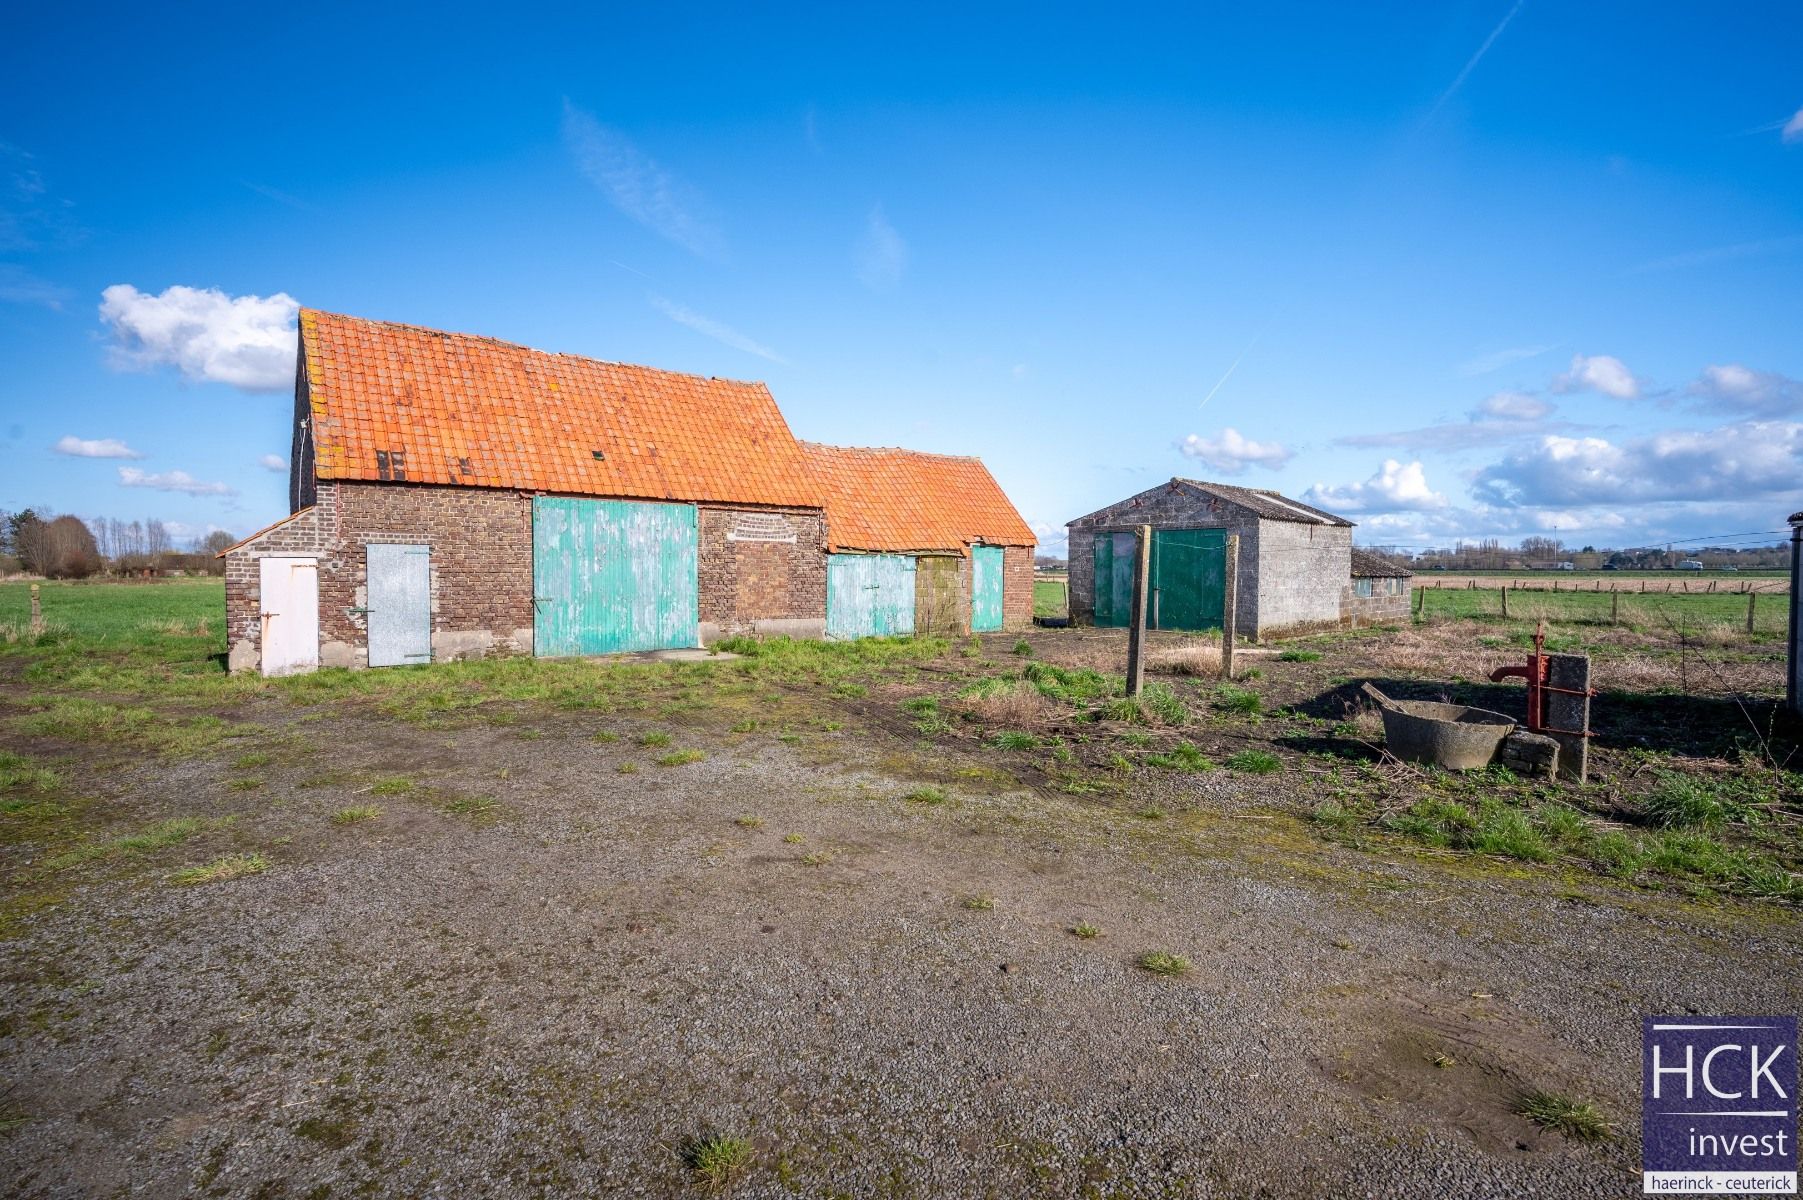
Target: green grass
1161, 701
1579, 1120
1255, 762
1161, 962
1683, 802
1229, 698
356, 813
979, 903
1182, 757
19, 774
748, 822
1084, 931
154, 837
470, 806
1024, 648
1072, 685
927, 795
678, 758
1653, 611
717, 1159
235, 866
393, 785
1299, 656
1051, 598
654, 739
1013, 740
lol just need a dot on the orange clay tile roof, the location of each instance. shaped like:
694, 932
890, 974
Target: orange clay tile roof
478, 412
903, 500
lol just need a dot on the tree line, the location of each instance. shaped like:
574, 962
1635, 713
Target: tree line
67, 547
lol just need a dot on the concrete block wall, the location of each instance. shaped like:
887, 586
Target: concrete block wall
1379, 608
1307, 567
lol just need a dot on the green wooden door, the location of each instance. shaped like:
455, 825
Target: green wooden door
1189, 578
611, 576
1114, 580
869, 595
985, 589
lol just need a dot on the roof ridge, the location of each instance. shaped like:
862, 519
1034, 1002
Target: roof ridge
316, 313
894, 450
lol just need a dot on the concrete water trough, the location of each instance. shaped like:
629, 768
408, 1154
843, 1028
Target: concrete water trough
1447, 735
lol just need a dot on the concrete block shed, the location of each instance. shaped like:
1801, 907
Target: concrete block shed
1378, 592
455, 496
1295, 561
920, 543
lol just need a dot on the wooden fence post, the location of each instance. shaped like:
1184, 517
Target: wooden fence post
1230, 607
1751, 600
1136, 622
37, 612
1614, 607
1505, 599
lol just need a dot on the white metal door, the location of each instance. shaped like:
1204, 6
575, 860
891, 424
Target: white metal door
400, 604
290, 600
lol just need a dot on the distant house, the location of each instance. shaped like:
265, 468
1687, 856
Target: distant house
920, 543
1295, 561
455, 496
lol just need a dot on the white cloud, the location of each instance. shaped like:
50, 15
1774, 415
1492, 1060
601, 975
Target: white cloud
1397, 487
726, 335
94, 448
1511, 406
1734, 462
637, 185
1793, 128
1599, 373
882, 255
1053, 539
1496, 360
1231, 453
173, 481
1499, 417
246, 341
1748, 392
273, 462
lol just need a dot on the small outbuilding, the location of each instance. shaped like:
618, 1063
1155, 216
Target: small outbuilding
1294, 566
920, 543
1378, 592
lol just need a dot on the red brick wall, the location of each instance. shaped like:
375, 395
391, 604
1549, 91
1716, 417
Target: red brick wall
481, 542
1017, 587
750, 583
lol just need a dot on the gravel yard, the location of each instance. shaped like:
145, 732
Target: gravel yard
503, 951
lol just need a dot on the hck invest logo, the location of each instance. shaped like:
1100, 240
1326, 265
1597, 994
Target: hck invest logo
1719, 1105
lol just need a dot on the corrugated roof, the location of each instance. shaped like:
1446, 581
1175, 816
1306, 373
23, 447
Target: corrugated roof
1366, 565
899, 500
474, 411
1268, 505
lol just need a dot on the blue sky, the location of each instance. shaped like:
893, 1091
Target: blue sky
1466, 270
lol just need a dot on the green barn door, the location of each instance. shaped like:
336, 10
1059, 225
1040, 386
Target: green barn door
869, 595
985, 589
1114, 579
1189, 578
613, 575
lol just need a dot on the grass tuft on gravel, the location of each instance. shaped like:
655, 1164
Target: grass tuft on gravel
1084, 931
1255, 762
717, 1159
927, 795
1161, 962
678, 758
979, 903
356, 813
233, 866
1579, 1120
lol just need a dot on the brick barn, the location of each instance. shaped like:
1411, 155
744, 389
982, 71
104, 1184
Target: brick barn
454, 496
1295, 561
920, 543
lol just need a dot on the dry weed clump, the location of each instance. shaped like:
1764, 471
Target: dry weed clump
1203, 660
1442, 650
1016, 704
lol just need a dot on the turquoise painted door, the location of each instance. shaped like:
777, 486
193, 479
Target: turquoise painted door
1114, 580
869, 595
1189, 578
985, 589
610, 576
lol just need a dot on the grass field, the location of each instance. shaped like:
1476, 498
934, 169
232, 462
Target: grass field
121, 613
1713, 615
1051, 597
